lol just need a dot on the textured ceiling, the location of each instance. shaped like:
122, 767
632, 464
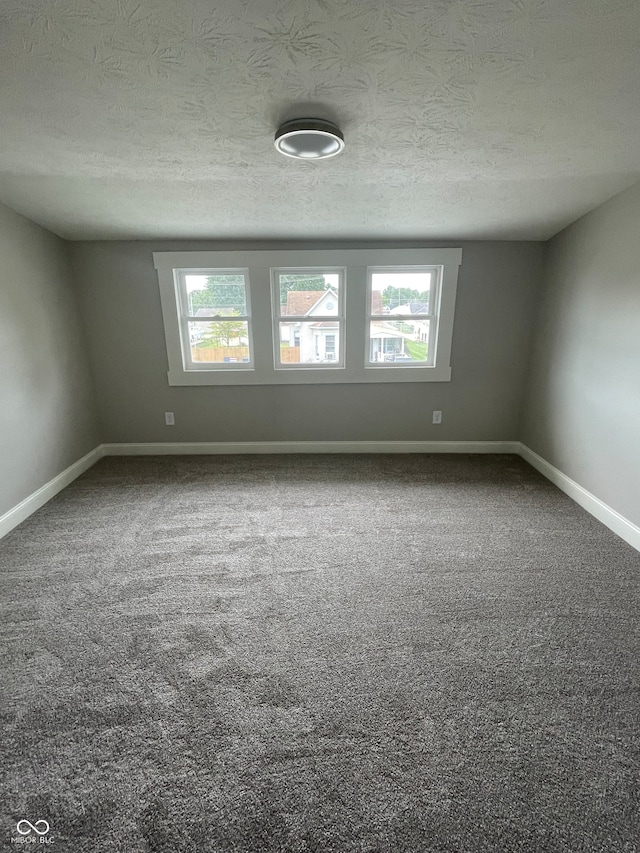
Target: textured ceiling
463, 118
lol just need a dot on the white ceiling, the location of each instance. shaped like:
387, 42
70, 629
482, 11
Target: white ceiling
489, 119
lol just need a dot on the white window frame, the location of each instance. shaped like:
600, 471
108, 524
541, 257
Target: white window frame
278, 318
355, 369
184, 318
435, 289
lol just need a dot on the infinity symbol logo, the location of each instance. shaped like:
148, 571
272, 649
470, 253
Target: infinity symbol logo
41, 827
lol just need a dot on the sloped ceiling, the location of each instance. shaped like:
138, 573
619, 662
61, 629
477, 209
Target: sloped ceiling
503, 119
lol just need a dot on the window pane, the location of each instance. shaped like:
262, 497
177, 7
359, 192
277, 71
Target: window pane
309, 294
309, 343
400, 292
220, 341
399, 341
217, 293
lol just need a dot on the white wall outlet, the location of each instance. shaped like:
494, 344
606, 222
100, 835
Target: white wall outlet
437, 418
169, 419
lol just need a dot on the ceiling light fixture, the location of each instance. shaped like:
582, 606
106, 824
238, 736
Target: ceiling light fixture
309, 139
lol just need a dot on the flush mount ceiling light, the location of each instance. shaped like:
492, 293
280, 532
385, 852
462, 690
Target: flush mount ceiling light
309, 139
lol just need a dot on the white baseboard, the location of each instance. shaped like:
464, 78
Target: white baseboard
215, 447
593, 505
604, 513
29, 505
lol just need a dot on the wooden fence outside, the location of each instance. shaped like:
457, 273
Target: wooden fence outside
288, 355
218, 354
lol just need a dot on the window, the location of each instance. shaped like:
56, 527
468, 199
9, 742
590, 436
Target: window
308, 316
215, 322
330, 347
401, 315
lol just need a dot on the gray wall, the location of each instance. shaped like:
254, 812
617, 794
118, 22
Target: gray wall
47, 411
583, 405
120, 301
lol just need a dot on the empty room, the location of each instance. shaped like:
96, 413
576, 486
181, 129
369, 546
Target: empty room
320, 426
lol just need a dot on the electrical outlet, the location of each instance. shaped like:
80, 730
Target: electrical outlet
169, 419
437, 417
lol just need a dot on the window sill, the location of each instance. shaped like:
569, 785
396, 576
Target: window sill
311, 376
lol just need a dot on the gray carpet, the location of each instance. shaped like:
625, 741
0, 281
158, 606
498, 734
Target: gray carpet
334, 654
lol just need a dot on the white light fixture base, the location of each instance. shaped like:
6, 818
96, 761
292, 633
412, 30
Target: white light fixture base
309, 139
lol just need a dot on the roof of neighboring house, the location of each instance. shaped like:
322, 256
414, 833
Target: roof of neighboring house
380, 329
300, 302
325, 324
411, 308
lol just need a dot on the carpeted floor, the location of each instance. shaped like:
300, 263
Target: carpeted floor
381, 654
